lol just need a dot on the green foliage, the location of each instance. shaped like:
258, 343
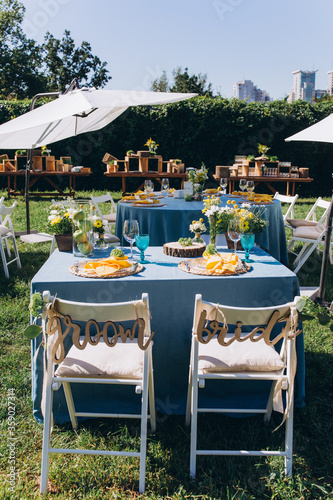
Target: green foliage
185, 242
183, 82
117, 252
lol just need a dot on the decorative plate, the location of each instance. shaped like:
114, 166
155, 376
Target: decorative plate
198, 266
79, 270
145, 205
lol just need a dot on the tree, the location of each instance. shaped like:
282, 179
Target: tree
28, 68
161, 84
183, 82
63, 62
20, 57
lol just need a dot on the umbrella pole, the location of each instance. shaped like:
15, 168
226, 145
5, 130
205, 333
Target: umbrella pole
327, 249
27, 178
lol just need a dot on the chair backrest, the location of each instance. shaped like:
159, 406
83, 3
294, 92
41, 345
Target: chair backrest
261, 319
103, 199
5, 215
320, 203
291, 200
95, 313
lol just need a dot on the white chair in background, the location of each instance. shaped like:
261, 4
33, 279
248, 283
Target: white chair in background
6, 233
252, 359
126, 363
110, 218
291, 200
311, 218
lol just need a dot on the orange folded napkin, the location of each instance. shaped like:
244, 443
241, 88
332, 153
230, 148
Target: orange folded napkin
222, 263
110, 265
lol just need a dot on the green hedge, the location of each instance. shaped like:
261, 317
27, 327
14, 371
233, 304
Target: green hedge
203, 129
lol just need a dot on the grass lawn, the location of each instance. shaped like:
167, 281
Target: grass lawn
167, 475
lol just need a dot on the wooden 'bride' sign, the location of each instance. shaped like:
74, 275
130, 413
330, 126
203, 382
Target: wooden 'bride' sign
207, 329
55, 325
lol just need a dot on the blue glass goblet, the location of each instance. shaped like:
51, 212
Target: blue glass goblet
142, 242
247, 241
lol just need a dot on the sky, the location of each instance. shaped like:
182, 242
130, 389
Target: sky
229, 40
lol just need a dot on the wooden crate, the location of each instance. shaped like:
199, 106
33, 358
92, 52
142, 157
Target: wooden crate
222, 171
107, 158
50, 165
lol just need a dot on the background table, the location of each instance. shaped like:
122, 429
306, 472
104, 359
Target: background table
171, 296
171, 222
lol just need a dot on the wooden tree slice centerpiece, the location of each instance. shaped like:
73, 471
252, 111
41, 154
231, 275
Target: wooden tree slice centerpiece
175, 249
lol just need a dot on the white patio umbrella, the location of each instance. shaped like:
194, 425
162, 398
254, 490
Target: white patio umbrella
321, 131
75, 112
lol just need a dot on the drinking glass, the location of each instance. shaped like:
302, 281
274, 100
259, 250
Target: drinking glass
224, 184
164, 187
130, 231
142, 242
247, 241
234, 232
250, 186
242, 184
148, 186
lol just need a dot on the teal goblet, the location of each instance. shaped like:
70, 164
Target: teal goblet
142, 242
247, 241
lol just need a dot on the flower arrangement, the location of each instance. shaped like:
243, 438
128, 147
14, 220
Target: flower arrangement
60, 220
197, 227
199, 175
46, 151
152, 146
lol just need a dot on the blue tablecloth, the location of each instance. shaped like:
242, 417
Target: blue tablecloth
171, 296
171, 222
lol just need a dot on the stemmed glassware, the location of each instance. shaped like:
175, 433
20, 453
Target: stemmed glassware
130, 231
164, 187
142, 242
242, 184
148, 186
234, 232
247, 241
224, 184
250, 186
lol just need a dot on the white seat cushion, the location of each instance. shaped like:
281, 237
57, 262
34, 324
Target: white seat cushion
3, 230
300, 222
111, 238
311, 233
110, 217
239, 356
121, 361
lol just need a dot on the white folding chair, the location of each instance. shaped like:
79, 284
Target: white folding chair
218, 354
291, 200
94, 361
110, 218
311, 219
6, 233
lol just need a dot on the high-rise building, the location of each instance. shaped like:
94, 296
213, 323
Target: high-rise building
304, 85
247, 91
330, 83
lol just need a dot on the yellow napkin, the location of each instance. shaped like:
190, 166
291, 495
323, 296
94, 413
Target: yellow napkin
260, 198
146, 202
110, 265
212, 191
128, 198
221, 263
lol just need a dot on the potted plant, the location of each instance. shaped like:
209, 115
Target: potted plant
130, 152
60, 222
152, 146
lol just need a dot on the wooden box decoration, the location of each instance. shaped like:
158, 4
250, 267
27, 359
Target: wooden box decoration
107, 158
59, 166
2, 166
222, 171
245, 169
67, 160
111, 169
143, 154
86, 170
131, 163
37, 163
66, 167
233, 171
3, 157
50, 164
9, 167
303, 172
175, 166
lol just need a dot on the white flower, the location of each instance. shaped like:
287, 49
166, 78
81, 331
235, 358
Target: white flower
213, 210
245, 205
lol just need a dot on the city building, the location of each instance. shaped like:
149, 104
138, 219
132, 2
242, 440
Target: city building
330, 83
247, 91
304, 86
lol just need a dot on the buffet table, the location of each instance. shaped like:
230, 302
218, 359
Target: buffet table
171, 222
171, 297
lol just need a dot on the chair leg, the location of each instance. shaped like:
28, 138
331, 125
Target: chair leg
189, 391
269, 406
17, 257
46, 438
305, 258
53, 244
289, 441
4, 261
143, 435
70, 404
194, 414
151, 394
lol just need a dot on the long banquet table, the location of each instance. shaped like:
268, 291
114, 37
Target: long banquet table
171, 222
171, 296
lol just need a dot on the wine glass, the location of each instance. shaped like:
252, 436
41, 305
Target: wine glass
142, 242
250, 186
247, 241
130, 231
242, 184
224, 184
164, 187
148, 186
234, 232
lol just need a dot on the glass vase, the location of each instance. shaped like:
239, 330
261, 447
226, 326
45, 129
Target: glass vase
197, 238
83, 236
100, 243
212, 230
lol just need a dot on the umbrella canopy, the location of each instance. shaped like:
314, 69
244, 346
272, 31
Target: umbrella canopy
319, 132
74, 113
